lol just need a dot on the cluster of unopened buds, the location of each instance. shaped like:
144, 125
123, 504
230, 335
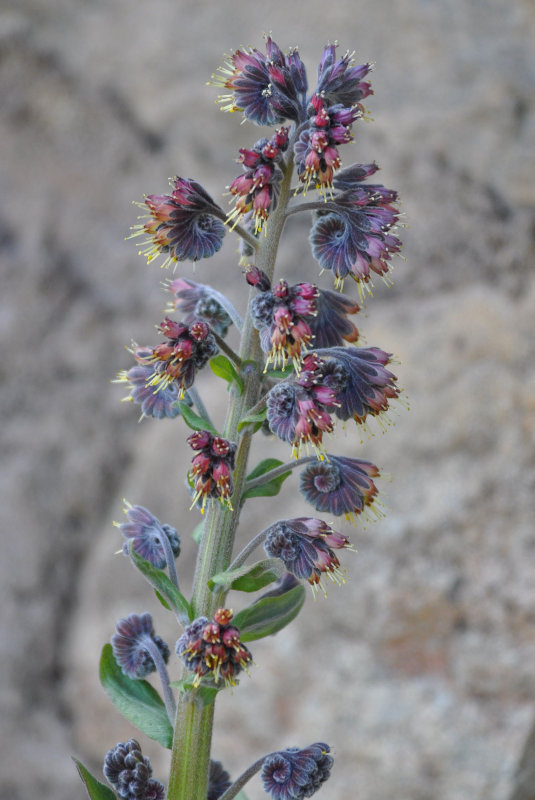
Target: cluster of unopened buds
212, 649
299, 368
212, 467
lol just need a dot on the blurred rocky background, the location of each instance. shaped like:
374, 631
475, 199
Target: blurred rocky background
420, 671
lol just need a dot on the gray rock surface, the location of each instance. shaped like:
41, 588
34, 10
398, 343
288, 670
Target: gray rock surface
419, 671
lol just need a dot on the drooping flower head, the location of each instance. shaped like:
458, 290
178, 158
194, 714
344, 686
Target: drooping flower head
293, 774
316, 150
257, 189
159, 404
175, 362
134, 644
306, 547
268, 88
198, 301
293, 318
299, 411
355, 235
340, 485
129, 772
340, 81
365, 386
218, 780
213, 651
148, 535
212, 467
184, 225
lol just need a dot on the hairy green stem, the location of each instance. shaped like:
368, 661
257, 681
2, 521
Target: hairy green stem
240, 782
190, 758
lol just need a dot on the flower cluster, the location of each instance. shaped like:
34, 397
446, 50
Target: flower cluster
351, 382
290, 318
130, 773
268, 87
293, 774
151, 540
211, 467
353, 236
136, 646
306, 547
174, 363
198, 301
340, 485
213, 650
184, 225
316, 150
257, 189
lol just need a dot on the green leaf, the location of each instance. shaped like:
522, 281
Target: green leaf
256, 419
250, 578
224, 368
280, 373
271, 487
95, 789
137, 700
269, 614
194, 421
162, 600
162, 585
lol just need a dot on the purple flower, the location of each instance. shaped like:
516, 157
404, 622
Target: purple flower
354, 238
306, 548
365, 385
218, 781
330, 325
197, 301
212, 467
340, 485
132, 643
176, 361
158, 404
212, 650
257, 189
185, 225
284, 315
268, 88
339, 80
129, 773
147, 534
293, 774
316, 150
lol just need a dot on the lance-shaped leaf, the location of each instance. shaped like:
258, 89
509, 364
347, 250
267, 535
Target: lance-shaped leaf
137, 700
95, 789
224, 368
271, 487
250, 577
269, 614
163, 587
194, 421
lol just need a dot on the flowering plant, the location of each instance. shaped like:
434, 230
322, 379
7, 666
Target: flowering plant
298, 369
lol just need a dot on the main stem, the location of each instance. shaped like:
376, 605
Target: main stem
190, 757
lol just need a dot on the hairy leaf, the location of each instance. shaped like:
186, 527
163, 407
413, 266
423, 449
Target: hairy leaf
251, 577
269, 614
137, 700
